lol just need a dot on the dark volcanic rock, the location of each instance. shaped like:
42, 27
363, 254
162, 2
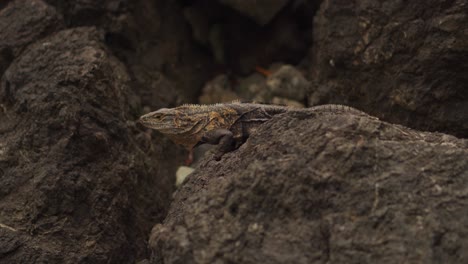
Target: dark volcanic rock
310, 188
405, 61
21, 23
76, 187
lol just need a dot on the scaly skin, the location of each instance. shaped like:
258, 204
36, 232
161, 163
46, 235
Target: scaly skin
228, 125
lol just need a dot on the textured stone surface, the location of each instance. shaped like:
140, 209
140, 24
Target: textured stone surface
76, 185
403, 61
323, 189
22, 22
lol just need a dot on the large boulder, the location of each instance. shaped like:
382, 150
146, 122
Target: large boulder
323, 188
404, 61
77, 186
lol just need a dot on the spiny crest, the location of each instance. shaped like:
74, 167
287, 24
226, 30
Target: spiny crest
237, 101
195, 108
206, 107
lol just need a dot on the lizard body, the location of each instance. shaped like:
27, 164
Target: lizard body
226, 124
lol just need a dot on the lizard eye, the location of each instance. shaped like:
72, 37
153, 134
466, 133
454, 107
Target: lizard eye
158, 117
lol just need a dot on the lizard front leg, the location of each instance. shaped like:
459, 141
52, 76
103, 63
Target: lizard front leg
221, 137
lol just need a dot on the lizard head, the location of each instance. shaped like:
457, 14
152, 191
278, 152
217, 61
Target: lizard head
186, 124
170, 121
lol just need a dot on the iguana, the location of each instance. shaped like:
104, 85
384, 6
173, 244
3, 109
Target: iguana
226, 124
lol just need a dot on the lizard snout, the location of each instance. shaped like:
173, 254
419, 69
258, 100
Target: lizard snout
144, 120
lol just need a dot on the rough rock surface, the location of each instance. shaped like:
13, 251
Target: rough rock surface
22, 22
325, 188
76, 185
404, 61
